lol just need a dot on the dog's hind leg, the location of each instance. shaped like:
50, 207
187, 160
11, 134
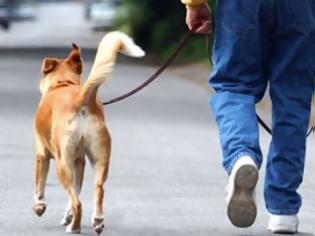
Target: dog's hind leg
99, 157
65, 171
101, 172
79, 165
41, 171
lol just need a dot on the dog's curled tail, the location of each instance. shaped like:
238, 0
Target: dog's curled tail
111, 44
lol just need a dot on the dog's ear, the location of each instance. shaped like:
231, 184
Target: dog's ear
49, 64
75, 60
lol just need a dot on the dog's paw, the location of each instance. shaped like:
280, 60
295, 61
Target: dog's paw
66, 220
39, 208
98, 225
69, 230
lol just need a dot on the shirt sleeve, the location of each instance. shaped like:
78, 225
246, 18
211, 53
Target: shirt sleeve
192, 3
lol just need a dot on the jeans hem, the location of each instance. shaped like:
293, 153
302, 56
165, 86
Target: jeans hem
283, 212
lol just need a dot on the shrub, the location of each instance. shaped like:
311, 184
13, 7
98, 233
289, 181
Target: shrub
158, 26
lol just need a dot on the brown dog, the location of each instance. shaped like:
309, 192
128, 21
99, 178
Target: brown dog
69, 124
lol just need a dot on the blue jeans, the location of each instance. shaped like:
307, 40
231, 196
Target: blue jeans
259, 42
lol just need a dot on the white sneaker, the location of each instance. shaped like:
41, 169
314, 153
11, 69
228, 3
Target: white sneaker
241, 207
283, 224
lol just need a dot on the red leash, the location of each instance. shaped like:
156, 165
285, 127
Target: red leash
159, 71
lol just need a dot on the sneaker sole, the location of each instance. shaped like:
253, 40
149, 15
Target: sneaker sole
284, 231
242, 209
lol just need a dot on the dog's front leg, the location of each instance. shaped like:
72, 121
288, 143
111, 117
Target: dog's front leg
41, 171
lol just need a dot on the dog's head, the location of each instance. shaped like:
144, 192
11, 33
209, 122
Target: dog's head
54, 69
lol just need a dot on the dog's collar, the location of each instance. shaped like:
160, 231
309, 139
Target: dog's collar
60, 84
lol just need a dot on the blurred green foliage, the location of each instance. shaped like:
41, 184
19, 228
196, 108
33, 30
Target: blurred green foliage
159, 25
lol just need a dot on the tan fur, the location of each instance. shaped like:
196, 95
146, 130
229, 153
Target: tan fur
69, 124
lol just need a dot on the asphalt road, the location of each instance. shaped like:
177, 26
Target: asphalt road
165, 172
55, 25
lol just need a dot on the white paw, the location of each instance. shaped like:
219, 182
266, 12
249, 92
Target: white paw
66, 220
39, 208
98, 224
72, 231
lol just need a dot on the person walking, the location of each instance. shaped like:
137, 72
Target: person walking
259, 42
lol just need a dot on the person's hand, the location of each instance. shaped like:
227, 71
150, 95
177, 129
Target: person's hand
199, 15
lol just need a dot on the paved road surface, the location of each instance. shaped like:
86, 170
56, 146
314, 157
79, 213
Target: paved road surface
56, 25
165, 175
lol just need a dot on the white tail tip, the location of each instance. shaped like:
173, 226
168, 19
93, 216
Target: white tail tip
133, 51
129, 48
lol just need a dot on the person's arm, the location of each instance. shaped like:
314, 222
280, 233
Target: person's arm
198, 13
